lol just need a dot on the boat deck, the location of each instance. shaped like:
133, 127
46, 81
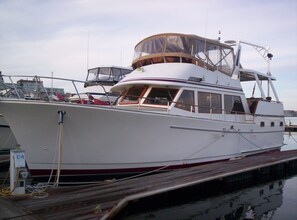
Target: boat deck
104, 200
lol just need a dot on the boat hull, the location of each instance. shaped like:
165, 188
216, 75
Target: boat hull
101, 140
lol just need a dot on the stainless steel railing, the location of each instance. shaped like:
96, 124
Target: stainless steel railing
12, 86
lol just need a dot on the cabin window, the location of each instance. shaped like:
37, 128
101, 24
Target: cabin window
92, 74
281, 124
216, 57
186, 101
178, 44
104, 74
233, 104
133, 95
160, 96
148, 47
209, 103
119, 74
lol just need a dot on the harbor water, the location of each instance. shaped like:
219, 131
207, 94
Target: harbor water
271, 197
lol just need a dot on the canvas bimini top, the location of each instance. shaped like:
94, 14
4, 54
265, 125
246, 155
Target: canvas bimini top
106, 75
183, 48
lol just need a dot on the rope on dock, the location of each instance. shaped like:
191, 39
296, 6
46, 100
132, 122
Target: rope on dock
35, 191
38, 190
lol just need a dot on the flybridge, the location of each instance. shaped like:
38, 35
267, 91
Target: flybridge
212, 55
182, 48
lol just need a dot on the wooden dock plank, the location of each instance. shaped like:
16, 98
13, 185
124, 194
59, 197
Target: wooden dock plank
107, 198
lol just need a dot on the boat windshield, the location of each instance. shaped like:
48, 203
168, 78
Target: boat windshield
155, 96
106, 75
207, 53
160, 96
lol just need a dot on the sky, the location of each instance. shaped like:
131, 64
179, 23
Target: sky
66, 37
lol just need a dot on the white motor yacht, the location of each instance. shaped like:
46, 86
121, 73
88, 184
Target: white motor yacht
182, 105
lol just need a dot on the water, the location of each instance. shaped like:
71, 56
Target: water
274, 198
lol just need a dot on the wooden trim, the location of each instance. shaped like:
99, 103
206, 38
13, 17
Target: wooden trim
170, 58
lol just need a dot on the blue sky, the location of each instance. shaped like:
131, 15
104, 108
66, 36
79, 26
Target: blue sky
40, 37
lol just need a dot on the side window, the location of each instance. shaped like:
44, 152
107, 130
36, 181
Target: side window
216, 103
233, 104
228, 103
203, 102
186, 101
209, 103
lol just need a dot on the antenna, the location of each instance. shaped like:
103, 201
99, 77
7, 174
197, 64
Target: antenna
121, 56
205, 40
52, 84
88, 51
205, 26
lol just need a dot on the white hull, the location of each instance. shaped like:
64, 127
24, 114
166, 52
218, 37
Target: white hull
110, 139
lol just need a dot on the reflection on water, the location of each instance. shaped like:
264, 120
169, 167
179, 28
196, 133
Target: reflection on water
271, 199
258, 202
288, 209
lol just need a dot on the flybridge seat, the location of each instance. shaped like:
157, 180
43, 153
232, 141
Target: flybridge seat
182, 48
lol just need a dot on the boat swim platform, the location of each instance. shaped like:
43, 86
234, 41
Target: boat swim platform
106, 199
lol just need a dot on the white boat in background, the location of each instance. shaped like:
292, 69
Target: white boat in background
99, 81
106, 75
182, 105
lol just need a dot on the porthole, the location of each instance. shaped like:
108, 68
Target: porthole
281, 124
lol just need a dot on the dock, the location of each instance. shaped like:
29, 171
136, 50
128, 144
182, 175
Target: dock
106, 199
